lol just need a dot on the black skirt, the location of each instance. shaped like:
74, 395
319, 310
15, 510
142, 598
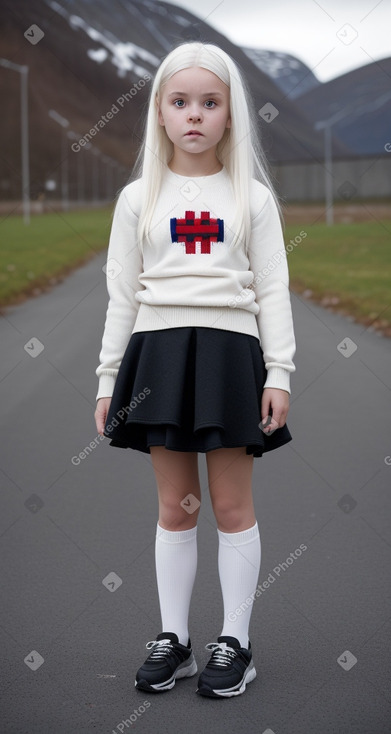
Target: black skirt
191, 389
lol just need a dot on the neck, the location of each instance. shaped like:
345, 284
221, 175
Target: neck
188, 166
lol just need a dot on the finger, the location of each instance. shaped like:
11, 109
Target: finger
270, 425
101, 423
265, 407
277, 415
274, 424
282, 420
280, 416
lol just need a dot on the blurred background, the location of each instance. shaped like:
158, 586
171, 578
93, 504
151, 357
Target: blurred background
75, 78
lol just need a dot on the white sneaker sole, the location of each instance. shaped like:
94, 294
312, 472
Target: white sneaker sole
185, 670
249, 675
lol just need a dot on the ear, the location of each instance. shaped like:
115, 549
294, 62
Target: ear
159, 112
228, 122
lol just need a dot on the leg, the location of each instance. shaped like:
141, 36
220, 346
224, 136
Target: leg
176, 536
239, 555
230, 487
176, 475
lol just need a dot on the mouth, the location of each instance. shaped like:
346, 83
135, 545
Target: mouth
193, 132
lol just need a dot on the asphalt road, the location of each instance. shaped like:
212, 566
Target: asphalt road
72, 639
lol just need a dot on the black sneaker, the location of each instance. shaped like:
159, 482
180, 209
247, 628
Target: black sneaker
168, 661
229, 669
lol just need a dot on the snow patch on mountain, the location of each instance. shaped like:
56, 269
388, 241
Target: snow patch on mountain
289, 73
126, 57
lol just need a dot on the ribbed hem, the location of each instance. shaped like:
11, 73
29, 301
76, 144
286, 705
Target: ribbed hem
150, 318
241, 538
173, 536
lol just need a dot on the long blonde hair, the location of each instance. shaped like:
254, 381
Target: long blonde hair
239, 150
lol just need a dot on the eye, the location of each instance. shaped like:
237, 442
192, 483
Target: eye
208, 102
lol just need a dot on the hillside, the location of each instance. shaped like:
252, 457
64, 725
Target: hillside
290, 74
90, 56
360, 101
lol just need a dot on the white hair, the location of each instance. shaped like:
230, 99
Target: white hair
239, 149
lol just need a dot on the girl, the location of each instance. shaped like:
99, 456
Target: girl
198, 345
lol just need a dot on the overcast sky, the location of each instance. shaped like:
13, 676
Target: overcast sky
330, 36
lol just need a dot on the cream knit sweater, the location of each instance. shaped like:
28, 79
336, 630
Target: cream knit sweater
191, 277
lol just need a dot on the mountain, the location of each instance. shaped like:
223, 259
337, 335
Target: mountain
360, 103
87, 59
289, 73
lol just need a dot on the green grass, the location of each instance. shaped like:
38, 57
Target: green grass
35, 256
349, 263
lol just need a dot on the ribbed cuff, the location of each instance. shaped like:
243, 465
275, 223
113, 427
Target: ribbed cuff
175, 536
241, 538
278, 377
106, 386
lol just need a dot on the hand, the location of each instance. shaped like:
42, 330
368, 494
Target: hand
276, 401
101, 412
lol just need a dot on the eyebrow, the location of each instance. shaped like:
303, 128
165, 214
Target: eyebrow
205, 94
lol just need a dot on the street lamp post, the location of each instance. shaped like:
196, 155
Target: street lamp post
328, 169
95, 175
326, 125
109, 184
64, 157
23, 71
80, 169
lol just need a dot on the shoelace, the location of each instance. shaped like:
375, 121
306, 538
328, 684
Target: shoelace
222, 654
160, 649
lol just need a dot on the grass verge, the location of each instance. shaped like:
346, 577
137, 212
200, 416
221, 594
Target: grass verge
345, 267
35, 257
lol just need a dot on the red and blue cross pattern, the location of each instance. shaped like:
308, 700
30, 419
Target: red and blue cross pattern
197, 233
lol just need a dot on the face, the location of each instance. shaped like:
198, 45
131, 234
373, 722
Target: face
195, 99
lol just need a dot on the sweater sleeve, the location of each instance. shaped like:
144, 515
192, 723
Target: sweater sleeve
124, 265
268, 262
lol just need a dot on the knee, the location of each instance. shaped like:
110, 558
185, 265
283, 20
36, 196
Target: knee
228, 514
178, 514
232, 516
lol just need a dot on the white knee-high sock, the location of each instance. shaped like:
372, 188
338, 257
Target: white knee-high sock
176, 566
239, 562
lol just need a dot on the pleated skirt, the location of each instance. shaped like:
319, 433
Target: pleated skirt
191, 389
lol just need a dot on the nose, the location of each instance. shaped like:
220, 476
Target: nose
194, 114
